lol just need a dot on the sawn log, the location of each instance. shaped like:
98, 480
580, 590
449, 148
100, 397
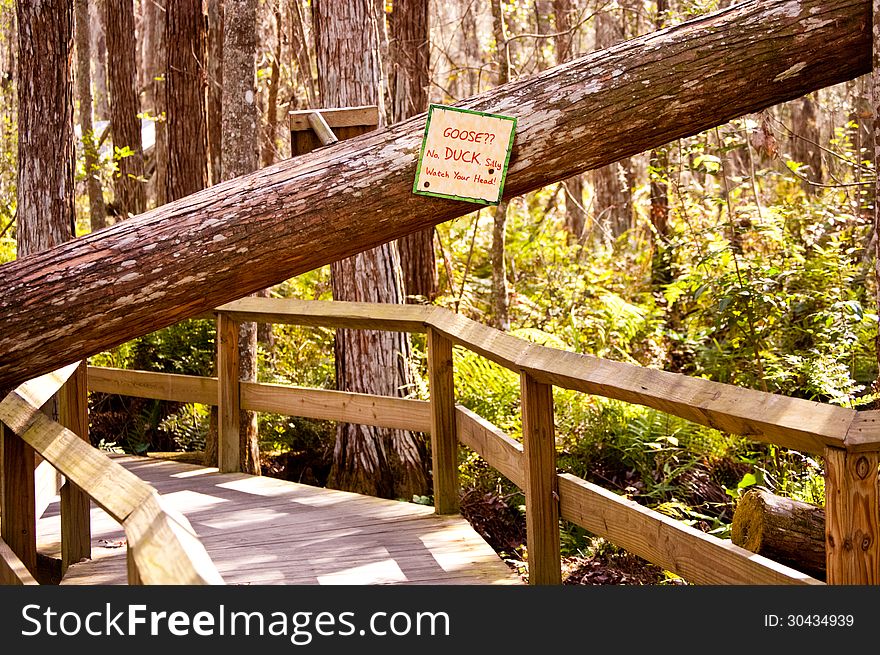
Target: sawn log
249, 233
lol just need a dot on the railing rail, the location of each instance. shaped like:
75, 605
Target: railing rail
848, 441
162, 546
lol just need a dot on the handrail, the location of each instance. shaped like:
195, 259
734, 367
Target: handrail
795, 423
162, 546
701, 558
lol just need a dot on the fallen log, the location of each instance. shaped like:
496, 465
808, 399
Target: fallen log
249, 233
788, 531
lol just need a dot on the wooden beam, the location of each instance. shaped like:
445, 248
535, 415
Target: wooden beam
330, 314
363, 116
18, 527
348, 407
76, 530
697, 557
251, 232
228, 396
163, 548
444, 439
114, 489
542, 499
863, 434
12, 569
790, 422
321, 129
852, 517
159, 386
500, 451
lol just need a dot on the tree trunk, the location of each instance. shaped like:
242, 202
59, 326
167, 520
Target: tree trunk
611, 192
267, 156
99, 69
658, 174
575, 214
154, 96
216, 39
788, 531
369, 460
805, 144
875, 108
187, 164
46, 161
410, 48
239, 158
498, 253
97, 211
190, 256
125, 126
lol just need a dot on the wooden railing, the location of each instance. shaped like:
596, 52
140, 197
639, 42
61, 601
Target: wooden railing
162, 546
848, 440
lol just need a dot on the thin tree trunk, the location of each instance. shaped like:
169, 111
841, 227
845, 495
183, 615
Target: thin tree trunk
498, 254
99, 68
303, 53
216, 39
805, 144
267, 154
154, 96
135, 277
97, 211
661, 272
410, 48
875, 102
241, 134
376, 461
125, 127
575, 214
187, 164
611, 192
45, 209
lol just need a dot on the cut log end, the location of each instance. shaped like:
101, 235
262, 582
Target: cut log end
788, 531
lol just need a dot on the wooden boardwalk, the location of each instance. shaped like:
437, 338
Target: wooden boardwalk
261, 530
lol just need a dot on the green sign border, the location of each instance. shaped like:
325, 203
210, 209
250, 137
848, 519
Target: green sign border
480, 201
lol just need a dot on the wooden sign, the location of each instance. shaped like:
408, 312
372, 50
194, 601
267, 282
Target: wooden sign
464, 155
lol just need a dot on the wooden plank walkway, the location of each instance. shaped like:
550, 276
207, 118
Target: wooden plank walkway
261, 530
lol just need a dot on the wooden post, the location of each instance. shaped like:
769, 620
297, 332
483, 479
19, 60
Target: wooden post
444, 439
321, 129
229, 396
18, 519
73, 411
852, 532
542, 499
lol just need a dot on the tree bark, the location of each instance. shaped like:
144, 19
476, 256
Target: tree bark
185, 77
99, 70
575, 214
410, 48
125, 126
241, 136
267, 153
788, 531
45, 213
376, 461
97, 210
498, 252
154, 96
192, 255
611, 193
216, 36
805, 144
658, 175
